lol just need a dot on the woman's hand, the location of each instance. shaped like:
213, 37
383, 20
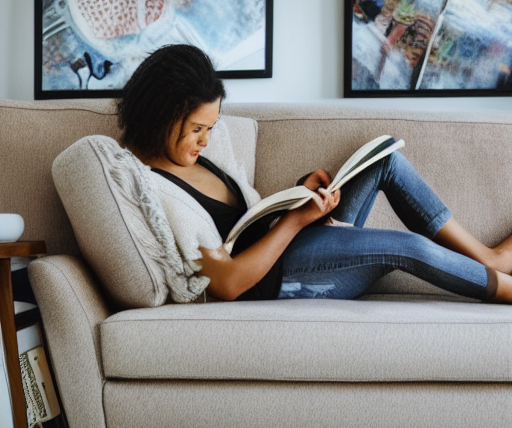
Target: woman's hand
322, 203
230, 277
317, 179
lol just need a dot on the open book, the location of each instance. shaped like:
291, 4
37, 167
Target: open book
295, 197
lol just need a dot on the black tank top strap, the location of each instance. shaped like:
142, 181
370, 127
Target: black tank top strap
225, 216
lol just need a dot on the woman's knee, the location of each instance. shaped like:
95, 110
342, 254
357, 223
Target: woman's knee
398, 158
421, 251
416, 246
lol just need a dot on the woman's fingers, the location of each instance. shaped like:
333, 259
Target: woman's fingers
324, 178
329, 200
325, 195
318, 201
316, 179
337, 196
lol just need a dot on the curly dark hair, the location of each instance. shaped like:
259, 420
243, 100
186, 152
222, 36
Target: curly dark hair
165, 89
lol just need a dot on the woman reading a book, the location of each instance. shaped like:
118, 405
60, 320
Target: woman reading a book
167, 112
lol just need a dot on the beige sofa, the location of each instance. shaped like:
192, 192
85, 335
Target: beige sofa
404, 355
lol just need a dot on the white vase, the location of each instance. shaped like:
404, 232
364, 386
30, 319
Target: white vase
11, 227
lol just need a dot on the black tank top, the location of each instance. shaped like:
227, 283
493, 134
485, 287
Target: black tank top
225, 216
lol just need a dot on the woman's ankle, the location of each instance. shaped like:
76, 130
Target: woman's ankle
503, 289
502, 256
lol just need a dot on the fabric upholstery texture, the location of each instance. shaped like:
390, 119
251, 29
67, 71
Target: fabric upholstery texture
313, 340
73, 307
304, 405
32, 134
104, 238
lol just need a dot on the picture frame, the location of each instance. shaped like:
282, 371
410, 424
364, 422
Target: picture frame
89, 49
418, 48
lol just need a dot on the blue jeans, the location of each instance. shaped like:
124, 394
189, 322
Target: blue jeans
342, 262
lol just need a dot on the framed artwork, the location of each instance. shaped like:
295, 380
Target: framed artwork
428, 48
89, 49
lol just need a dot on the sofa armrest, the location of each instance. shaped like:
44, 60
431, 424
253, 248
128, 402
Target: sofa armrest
72, 310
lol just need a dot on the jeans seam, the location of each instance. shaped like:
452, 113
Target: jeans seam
394, 262
348, 264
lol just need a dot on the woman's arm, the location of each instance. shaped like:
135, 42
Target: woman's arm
230, 277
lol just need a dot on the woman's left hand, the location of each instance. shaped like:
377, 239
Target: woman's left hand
317, 179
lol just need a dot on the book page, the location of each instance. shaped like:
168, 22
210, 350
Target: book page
364, 157
295, 197
288, 199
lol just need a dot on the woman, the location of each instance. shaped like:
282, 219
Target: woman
167, 112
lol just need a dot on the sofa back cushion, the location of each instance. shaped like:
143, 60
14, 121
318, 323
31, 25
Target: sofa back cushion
32, 134
119, 221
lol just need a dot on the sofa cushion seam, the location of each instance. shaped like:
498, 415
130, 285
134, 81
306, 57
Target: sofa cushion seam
64, 109
305, 379
387, 119
106, 322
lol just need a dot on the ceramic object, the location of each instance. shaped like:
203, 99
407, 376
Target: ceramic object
11, 227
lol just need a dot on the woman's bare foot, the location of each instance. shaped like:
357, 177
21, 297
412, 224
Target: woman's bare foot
504, 289
502, 256
453, 236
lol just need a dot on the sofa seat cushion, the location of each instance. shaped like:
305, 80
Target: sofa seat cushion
312, 340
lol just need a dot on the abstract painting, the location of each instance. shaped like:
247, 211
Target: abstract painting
428, 48
90, 48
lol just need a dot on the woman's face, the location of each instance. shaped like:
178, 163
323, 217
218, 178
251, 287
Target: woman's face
184, 149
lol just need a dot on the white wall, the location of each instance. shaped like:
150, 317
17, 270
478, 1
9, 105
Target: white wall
21, 54
308, 60
307, 53
5, 7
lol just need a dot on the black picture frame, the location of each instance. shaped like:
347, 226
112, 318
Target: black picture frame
71, 61
434, 56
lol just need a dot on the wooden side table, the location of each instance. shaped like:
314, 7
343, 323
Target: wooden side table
12, 362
